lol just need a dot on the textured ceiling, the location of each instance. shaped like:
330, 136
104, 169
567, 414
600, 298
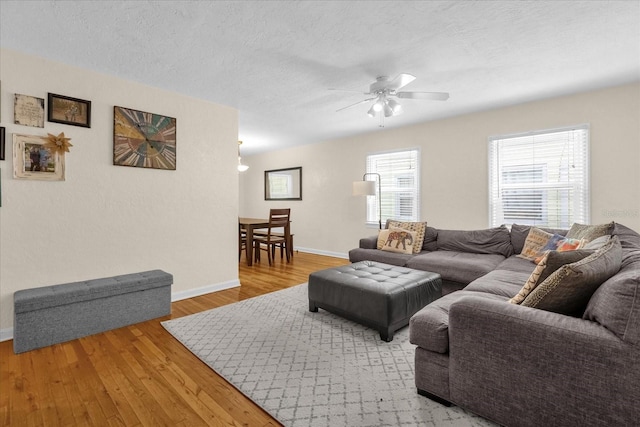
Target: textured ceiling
275, 60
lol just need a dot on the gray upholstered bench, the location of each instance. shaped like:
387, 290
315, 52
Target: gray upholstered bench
59, 313
377, 295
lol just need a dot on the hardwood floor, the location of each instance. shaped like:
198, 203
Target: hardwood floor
140, 375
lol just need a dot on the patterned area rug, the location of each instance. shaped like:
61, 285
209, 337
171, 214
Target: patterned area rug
313, 369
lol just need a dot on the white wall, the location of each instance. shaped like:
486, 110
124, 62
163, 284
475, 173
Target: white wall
106, 220
453, 167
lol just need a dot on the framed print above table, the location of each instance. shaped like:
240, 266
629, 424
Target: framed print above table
283, 184
32, 160
143, 140
68, 111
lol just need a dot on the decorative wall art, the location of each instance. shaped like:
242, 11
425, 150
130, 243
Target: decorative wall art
2, 143
33, 160
143, 140
69, 111
28, 111
283, 184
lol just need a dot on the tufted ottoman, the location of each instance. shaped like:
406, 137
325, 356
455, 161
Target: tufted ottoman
374, 294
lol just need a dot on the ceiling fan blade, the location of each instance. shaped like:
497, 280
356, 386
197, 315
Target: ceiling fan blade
357, 103
400, 81
433, 96
348, 90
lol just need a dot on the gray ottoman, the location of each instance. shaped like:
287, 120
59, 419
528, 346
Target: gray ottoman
374, 294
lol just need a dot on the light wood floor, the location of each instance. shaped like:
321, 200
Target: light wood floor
139, 375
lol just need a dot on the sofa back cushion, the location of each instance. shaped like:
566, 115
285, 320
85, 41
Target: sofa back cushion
495, 241
430, 239
519, 234
616, 304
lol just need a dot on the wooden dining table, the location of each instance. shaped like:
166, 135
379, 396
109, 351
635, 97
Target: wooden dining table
250, 224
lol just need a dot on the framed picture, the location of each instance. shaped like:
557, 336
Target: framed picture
28, 111
283, 184
143, 140
32, 160
2, 143
69, 111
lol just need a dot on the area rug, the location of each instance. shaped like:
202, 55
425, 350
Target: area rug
313, 369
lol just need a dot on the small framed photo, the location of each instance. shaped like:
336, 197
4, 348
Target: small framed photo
69, 111
32, 160
28, 111
2, 143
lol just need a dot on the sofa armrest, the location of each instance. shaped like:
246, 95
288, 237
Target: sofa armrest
518, 364
370, 242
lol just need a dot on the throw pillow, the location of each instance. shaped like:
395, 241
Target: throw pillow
598, 242
535, 241
589, 232
568, 289
398, 240
560, 244
418, 227
550, 262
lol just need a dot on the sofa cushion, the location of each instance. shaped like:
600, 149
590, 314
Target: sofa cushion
550, 262
397, 240
499, 282
515, 263
418, 227
616, 304
589, 232
458, 267
429, 327
430, 239
489, 241
569, 288
519, 234
360, 254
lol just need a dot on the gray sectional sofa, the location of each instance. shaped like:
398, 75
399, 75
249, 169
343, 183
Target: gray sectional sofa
518, 365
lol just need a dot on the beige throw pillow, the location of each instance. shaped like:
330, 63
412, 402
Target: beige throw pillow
419, 228
589, 232
397, 240
536, 240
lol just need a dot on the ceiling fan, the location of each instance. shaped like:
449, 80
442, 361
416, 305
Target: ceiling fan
384, 91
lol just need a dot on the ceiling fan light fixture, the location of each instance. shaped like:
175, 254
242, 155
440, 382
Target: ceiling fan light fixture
388, 111
372, 111
395, 106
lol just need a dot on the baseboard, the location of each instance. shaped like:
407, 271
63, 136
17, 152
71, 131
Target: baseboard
321, 252
7, 333
177, 296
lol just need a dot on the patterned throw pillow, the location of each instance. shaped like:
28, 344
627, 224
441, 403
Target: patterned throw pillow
536, 240
418, 227
550, 262
589, 232
560, 244
568, 289
398, 240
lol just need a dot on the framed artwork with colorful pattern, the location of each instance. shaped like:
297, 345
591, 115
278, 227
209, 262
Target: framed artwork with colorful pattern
143, 140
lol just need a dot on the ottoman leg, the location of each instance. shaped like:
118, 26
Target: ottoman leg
312, 306
386, 334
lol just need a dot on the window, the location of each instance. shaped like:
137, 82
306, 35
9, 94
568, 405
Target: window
399, 183
540, 178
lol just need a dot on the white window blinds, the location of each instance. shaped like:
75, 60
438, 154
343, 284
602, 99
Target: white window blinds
540, 178
400, 186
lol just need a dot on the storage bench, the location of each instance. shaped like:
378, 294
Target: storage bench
377, 295
54, 314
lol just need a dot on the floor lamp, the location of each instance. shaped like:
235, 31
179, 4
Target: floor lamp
368, 188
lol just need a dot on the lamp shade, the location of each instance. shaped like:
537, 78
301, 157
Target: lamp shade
364, 188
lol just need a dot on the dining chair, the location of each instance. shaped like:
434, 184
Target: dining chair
242, 241
278, 218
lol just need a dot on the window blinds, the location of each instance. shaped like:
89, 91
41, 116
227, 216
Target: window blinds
540, 178
400, 182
